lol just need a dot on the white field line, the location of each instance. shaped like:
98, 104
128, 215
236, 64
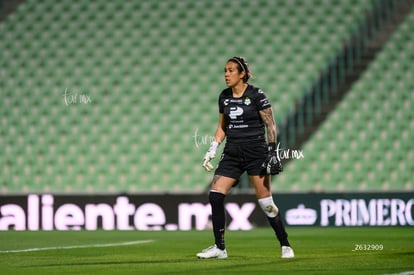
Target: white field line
75, 246
402, 273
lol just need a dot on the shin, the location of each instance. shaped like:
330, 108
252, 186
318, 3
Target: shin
272, 213
218, 217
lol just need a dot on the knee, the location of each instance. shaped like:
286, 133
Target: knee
269, 207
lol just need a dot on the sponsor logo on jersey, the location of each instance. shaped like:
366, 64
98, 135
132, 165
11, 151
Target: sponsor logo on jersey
265, 102
235, 112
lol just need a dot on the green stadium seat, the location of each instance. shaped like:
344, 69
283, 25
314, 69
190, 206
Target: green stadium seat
154, 78
376, 152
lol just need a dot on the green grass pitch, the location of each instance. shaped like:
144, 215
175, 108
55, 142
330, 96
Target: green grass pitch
318, 251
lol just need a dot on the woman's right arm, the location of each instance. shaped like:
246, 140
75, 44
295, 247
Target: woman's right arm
220, 134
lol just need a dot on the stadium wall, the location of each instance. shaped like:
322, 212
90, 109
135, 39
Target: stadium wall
192, 212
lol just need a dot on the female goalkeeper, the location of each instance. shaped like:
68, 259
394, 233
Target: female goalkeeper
246, 121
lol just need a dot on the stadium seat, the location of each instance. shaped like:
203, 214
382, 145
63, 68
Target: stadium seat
154, 77
367, 136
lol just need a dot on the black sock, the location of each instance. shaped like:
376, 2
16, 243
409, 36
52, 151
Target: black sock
218, 218
279, 229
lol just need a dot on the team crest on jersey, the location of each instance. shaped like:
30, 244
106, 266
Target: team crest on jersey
247, 101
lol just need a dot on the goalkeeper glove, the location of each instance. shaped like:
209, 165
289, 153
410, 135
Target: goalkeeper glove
272, 163
211, 153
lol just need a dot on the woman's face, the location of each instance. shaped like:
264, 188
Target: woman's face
232, 76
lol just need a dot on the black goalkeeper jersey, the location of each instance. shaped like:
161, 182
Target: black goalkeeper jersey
243, 122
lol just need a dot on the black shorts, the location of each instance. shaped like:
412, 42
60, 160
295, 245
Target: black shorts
237, 159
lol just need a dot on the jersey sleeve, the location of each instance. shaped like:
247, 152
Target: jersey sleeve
262, 101
220, 104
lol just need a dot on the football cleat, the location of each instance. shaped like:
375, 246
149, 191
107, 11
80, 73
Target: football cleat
287, 252
212, 252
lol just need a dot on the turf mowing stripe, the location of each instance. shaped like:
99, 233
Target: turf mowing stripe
402, 273
75, 246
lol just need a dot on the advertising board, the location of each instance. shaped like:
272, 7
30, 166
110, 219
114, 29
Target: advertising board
193, 212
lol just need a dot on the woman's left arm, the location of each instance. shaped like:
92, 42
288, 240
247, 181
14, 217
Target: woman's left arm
272, 163
269, 122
